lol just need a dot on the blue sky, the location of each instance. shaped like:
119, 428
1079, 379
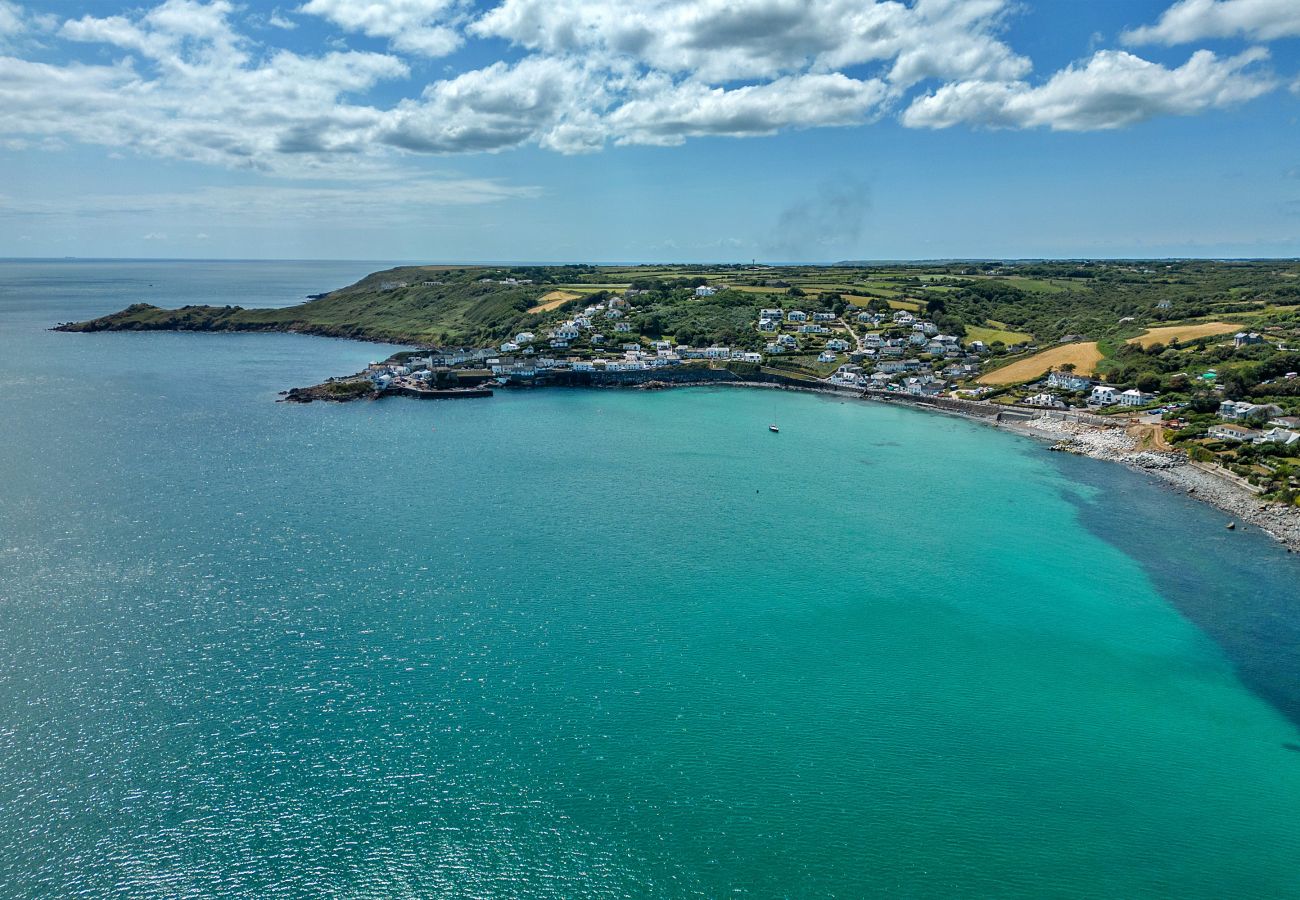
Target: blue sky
662, 130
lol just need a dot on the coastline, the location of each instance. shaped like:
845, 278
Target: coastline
1107, 443
1242, 505
1112, 444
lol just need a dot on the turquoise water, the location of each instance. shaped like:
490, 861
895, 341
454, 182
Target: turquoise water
579, 643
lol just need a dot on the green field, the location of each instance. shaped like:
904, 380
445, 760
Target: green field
989, 335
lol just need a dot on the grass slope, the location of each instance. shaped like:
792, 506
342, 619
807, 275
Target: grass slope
1085, 357
405, 305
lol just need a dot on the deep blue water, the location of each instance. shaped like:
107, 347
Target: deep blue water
581, 643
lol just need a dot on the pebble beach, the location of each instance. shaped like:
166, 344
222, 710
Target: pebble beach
1241, 504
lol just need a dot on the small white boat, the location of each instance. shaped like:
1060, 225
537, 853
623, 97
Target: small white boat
773, 428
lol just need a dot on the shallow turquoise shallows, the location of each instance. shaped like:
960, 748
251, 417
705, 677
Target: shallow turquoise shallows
585, 643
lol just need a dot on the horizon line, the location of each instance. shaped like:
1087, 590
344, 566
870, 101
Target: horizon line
945, 260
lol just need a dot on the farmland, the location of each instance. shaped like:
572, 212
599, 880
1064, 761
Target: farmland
553, 300
1102, 317
1084, 356
1171, 333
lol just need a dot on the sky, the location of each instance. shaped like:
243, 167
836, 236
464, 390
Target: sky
649, 131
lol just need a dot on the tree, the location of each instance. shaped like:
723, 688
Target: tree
1148, 383
1234, 386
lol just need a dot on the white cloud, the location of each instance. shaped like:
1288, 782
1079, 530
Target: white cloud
11, 19
17, 23
186, 83
727, 40
210, 99
1195, 20
388, 201
412, 26
548, 100
799, 101
1113, 89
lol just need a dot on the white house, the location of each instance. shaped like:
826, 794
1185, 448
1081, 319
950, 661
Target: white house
623, 327
705, 291
751, 357
1135, 398
1068, 381
823, 317
525, 337
767, 325
1048, 401
1236, 433
509, 347
796, 315
923, 387
1103, 395
1281, 436
837, 344
1245, 338
769, 314
613, 314
717, 352
826, 356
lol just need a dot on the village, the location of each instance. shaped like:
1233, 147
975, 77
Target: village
893, 352
883, 353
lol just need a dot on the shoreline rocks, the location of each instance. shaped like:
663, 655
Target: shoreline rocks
1115, 445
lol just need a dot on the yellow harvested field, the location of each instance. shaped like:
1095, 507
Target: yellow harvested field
1084, 355
1184, 332
548, 302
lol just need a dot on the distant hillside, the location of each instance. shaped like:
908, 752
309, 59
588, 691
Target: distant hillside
1002, 304
424, 305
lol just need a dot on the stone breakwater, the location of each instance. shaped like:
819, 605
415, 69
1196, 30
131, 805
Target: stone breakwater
1114, 445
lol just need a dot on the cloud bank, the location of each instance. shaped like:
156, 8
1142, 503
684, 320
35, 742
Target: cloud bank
198, 80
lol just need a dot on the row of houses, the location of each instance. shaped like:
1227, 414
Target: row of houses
1109, 395
1241, 434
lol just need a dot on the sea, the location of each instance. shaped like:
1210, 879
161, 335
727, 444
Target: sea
595, 643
